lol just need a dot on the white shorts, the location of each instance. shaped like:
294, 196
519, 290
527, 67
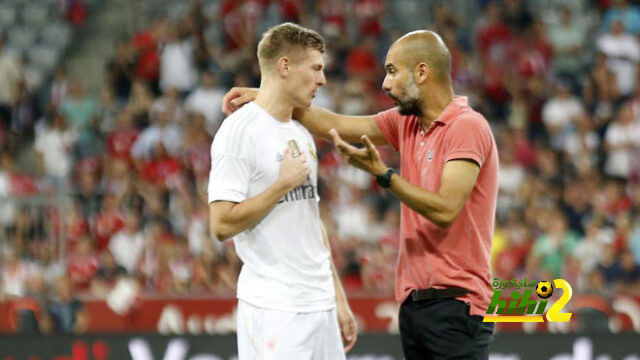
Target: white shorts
265, 334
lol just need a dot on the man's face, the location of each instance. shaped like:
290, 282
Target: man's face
306, 76
400, 86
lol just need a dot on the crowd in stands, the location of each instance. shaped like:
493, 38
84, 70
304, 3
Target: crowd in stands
113, 184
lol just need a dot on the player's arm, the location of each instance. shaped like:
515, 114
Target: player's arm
317, 120
442, 208
227, 218
348, 327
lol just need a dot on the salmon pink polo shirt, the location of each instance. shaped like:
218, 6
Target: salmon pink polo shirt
458, 256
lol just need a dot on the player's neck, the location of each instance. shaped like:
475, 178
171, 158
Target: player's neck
273, 101
434, 104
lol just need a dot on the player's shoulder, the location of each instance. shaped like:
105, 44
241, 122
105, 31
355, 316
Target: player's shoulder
470, 118
240, 122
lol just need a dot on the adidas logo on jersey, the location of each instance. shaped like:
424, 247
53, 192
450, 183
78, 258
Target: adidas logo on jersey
279, 157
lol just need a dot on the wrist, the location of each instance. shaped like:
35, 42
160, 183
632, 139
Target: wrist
282, 186
384, 179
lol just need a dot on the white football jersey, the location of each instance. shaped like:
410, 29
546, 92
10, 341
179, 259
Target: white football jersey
286, 264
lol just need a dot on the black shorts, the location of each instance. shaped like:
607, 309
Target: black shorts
443, 329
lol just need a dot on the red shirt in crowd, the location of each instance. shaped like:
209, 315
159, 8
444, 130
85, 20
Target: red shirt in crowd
458, 256
81, 270
119, 143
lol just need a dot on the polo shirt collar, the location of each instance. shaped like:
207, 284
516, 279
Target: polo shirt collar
452, 110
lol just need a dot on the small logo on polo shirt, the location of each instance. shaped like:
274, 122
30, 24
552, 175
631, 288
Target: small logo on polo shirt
430, 155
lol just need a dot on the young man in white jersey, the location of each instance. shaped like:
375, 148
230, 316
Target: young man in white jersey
263, 193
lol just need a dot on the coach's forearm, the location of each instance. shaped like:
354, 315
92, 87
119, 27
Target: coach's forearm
226, 223
317, 120
428, 204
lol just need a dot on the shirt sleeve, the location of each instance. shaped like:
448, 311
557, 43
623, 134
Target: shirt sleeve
388, 123
469, 137
230, 169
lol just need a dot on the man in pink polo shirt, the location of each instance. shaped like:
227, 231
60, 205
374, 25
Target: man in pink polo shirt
448, 188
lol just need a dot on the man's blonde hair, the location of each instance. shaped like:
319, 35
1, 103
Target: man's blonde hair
283, 40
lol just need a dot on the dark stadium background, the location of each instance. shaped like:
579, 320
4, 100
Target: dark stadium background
108, 108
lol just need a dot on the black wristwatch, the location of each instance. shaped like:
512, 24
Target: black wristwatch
385, 179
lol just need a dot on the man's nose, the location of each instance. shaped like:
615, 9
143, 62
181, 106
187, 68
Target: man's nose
386, 84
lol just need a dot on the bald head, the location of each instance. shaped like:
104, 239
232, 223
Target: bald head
424, 46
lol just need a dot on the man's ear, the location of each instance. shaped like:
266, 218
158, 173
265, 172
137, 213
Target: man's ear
421, 73
284, 66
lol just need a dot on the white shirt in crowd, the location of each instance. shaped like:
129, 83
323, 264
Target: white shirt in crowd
177, 66
623, 54
286, 264
55, 145
170, 135
126, 249
619, 161
558, 115
558, 112
9, 75
207, 102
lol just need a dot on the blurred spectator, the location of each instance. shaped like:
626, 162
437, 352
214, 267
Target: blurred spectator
108, 221
162, 131
120, 71
622, 143
108, 110
623, 53
207, 100
127, 244
176, 59
627, 14
581, 145
493, 40
560, 114
10, 74
629, 274
29, 312
553, 248
107, 275
82, 265
59, 88
14, 276
568, 38
121, 140
169, 103
369, 16
140, 102
78, 109
146, 44
66, 311
54, 145
516, 15
362, 62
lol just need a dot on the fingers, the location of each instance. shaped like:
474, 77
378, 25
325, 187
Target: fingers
349, 335
241, 100
343, 147
367, 142
235, 98
335, 136
287, 153
227, 106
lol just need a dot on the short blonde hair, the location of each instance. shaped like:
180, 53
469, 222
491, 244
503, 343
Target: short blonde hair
282, 39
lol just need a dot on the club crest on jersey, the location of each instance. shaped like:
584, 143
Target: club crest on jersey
312, 152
